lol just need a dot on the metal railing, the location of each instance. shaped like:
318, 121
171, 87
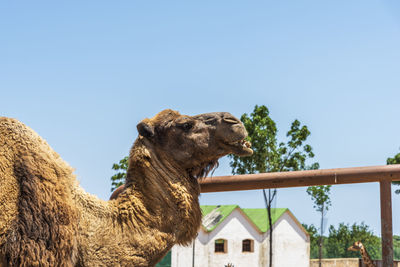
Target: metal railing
382, 174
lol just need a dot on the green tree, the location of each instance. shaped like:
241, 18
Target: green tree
396, 247
119, 178
271, 156
314, 240
345, 235
320, 195
394, 160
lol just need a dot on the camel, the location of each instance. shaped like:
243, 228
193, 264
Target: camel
47, 219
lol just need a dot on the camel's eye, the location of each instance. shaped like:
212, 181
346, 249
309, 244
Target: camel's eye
187, 126
211, 121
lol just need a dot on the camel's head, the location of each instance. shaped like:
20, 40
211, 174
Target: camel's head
196, 142
357, 246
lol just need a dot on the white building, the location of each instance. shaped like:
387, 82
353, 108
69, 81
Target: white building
230, 234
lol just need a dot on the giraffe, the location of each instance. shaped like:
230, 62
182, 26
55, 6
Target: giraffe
358, 246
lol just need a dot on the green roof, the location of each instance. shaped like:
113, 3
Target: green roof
260, 217
215, 215
225, 209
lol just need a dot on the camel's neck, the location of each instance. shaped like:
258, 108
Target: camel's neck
366, 258
160, 195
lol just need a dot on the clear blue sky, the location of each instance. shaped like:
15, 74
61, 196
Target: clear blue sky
84, 73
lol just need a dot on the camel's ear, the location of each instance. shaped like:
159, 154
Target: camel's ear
145, 129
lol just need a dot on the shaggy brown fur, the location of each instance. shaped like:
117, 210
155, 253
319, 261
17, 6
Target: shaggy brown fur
38, 221
47, 219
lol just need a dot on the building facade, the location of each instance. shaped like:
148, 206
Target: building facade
238, 236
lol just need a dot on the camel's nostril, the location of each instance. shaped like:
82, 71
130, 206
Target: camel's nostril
231, 120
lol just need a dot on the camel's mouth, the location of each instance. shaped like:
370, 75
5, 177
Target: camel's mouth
241, 147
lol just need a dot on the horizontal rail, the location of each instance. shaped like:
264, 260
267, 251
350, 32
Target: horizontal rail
300, 178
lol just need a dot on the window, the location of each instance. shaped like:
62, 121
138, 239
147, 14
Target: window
247, 245
221, 245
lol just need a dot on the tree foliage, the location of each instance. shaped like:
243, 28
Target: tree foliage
269, 155
320, 195
345, 235
395, 160
342, 237
314, 240
396, 247
119, 178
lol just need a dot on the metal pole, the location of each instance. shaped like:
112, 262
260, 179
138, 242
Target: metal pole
386, 222
300, 178
194, 241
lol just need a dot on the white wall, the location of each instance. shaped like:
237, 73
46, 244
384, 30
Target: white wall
182, 256
291, 245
